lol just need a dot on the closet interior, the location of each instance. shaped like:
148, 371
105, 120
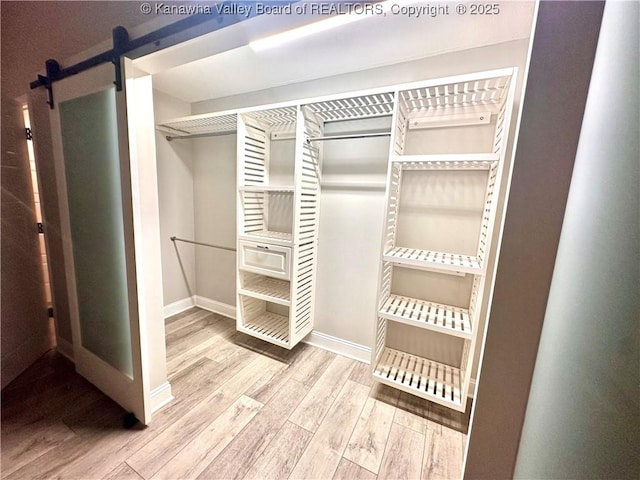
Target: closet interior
446, 153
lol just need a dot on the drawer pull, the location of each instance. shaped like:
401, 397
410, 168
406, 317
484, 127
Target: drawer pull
264, 247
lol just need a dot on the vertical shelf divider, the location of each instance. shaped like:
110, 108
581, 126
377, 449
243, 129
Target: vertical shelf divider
288, 255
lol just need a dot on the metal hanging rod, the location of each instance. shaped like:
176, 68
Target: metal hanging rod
362, 185
281, 136
200, 135
355, 119
176, 239
354, 135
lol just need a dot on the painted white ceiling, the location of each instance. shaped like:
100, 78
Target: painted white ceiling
231, 67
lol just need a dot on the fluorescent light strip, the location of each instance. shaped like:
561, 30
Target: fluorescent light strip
321, 26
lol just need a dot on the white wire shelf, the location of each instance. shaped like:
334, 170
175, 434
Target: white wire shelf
453, 262
484, 92
481, 161
432, 316
425, 378
269, 326
279, 116
199, 125
351, 108
269, 289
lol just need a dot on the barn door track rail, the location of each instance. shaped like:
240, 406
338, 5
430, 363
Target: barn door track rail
156, 40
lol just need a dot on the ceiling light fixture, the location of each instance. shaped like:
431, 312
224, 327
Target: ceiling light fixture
354, 15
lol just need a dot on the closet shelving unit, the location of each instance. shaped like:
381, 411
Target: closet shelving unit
470, 116
278, 216
276, 259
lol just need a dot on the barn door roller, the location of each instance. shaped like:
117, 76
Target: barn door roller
54, 72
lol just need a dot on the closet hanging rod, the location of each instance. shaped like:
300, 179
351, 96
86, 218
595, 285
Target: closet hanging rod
349, 136
364, 117
176, 239
200, 135
363, 185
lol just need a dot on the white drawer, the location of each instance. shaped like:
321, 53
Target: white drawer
266, 259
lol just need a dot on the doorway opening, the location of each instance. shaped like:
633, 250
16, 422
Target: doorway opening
44, 261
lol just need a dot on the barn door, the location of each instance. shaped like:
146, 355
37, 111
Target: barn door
100, 216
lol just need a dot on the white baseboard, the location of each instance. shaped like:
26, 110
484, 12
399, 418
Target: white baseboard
179, 306
216, 307
317, 339
64, 348
339, 346
160, 396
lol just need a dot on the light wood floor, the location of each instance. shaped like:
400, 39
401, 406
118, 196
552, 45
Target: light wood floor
243, 409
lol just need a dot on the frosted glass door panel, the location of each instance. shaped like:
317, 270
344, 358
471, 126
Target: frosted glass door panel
92, 167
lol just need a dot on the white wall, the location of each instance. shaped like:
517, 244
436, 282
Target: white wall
351, 223
582, 417
25, 323
562, 56
175, 197
500, 55
214, 190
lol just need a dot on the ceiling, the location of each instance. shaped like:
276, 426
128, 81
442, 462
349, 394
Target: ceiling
221, 64
34, 31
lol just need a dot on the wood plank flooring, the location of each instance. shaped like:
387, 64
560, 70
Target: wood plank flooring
243, 409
